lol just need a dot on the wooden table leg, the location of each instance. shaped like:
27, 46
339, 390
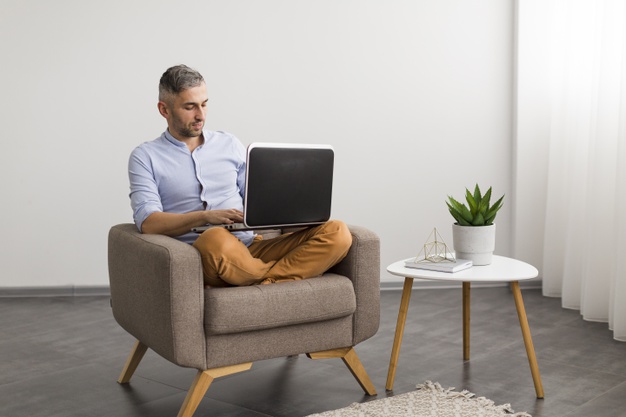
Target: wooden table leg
397, 341
528, 341
466, 321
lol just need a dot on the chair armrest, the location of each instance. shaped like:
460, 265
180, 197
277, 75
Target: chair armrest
157, 293
362, 266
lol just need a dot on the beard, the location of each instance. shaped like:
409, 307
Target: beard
190, 131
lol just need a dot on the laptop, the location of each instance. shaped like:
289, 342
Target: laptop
286, 185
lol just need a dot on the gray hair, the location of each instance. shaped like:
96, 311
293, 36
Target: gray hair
177, 79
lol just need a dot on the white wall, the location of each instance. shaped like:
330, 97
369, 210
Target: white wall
415, 96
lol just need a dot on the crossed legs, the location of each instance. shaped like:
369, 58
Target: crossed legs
293, 256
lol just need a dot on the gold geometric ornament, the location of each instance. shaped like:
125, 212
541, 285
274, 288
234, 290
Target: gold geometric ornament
435, 250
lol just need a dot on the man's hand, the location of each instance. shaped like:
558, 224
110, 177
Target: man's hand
174, 224
224, 216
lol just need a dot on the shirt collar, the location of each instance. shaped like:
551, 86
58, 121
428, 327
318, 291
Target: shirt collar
178, 143
173, 140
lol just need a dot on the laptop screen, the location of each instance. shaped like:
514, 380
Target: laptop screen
288, 184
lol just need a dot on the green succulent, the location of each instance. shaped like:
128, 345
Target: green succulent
479, 213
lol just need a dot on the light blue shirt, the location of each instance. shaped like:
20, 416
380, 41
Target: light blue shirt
166, 177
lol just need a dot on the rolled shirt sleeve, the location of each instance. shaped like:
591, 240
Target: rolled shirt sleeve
144, 194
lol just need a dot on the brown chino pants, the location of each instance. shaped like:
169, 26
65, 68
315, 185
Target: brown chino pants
299, 255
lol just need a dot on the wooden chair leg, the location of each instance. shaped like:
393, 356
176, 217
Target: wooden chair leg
131, 363
352, 361
201, 384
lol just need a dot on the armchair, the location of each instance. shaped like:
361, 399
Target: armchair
158, 296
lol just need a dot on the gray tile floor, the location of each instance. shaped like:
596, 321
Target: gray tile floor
61, 356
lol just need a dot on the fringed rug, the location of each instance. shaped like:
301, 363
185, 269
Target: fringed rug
430, 400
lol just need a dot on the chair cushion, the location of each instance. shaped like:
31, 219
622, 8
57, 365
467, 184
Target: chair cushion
242, 309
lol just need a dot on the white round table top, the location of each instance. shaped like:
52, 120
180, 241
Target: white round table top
500, 269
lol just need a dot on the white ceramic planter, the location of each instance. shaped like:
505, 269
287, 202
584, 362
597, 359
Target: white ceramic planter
475, 243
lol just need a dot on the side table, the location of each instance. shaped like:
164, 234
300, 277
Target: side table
501, 269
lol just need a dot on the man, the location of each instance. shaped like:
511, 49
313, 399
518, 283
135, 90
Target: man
191, 176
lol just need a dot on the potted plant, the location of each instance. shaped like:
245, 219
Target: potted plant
474, 233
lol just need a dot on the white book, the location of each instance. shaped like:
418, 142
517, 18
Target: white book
442, 266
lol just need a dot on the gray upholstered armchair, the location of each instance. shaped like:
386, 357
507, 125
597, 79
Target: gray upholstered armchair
158, 296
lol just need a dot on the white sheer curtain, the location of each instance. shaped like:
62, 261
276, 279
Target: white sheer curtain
585, 235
